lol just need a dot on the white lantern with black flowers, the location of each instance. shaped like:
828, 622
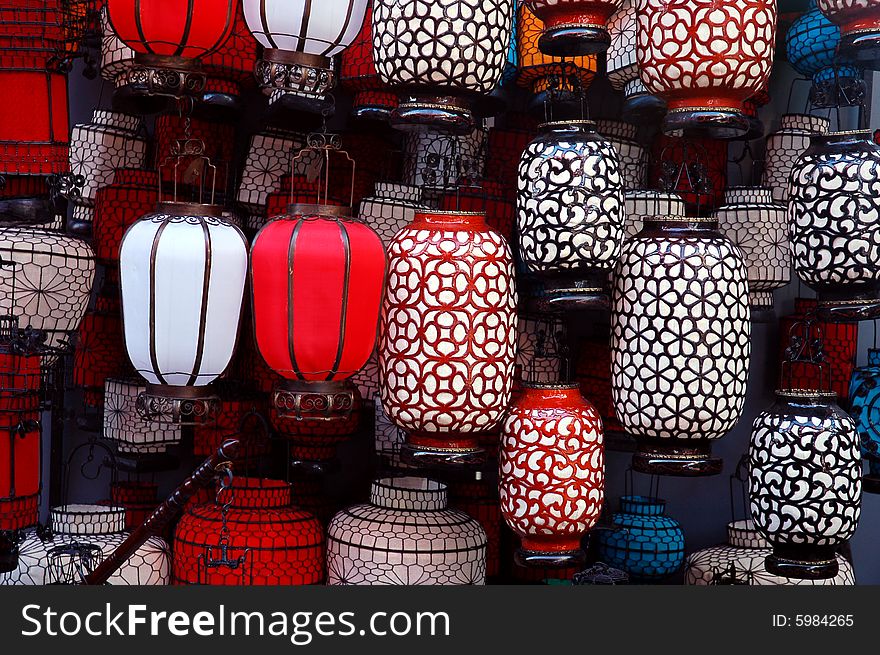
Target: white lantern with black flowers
570, 213
443, 56
300, 39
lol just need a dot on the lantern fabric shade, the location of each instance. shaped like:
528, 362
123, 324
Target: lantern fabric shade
317, 28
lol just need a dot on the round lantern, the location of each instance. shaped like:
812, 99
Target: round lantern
705, 58
81, 536
570, 213
443, 56
757, 225
260, 539
552, 467
805, 487
631, 155
117, 206
741, 561
448, 336
623, 69
318, 278
680, 343
643, 204
300, 38
573, 27
834, 234
859, 28
182, 276
133, 435
406, 535
785, 146
372, 100
643, 541
45, 282
864, 393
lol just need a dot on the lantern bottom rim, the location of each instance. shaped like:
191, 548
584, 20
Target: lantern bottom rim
178, 405
289, 105
550, 559
861, 47
579, 290
574, 40
642, 107
849, 307
871, 483
711, 122
371, 113
320, 400
678, 459
424, 456
446, 114
804, 562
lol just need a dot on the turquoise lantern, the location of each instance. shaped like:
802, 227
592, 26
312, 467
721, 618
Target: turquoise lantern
864, 395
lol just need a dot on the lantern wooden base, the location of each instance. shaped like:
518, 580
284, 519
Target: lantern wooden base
710, 122
666, 457
441, 113
856, 307
803, 562
861, 47
574, 40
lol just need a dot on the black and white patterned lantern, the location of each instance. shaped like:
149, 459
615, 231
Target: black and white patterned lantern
805, 482
632, 156
570, 213
784, 148
833, 223
680, 347
623, 68
644, 204
269, 158
756, 224
443, 56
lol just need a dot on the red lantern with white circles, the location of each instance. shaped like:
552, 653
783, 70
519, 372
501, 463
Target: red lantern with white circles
552, 467
447, 342
706, 58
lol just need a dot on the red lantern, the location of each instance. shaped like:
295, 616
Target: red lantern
357, 73
267, 542
317, 279
133, 194
573, 27
100, 350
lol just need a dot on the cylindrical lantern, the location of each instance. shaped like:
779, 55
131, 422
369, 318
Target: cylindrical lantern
133, 435
570, 213
757, 225
631, 155
785, 146
644, 204
552, 467
643, 541
623, 69
259, 539
169, 40
441, 162
448, 336
300, 39
834, 234
573, 27
372, 100
805, 487
317, 280
859, 22
182, 276
406, 535
705, 58
82, 536
741, 561
864, 394
443, 56
680, 343
117, 206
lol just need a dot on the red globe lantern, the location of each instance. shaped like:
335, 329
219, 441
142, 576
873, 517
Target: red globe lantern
357, 73
260, 540
573, 27
317, 278
132, 194
169, 39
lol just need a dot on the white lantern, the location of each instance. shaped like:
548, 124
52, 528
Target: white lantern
300, 37
633, 163
182, 273
644, 204
132, 434
623, 69
784, 148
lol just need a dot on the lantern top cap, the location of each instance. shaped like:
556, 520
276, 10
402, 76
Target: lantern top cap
178, 208
297, 210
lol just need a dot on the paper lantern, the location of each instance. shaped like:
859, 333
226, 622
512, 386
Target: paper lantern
81, 537
48, 287
631, 155
300, 38
97, 149
623, 69
131, 194
785, 146
642, 205
678, 46
859, 28
448, 337
570, 213
170, 40
804, 441
326, 273
643, 541
268, 159
182, 276
443, 56
679, 339
573, 27
100, 350
741, 561
372, 100
552, 473
834, 236
757, 226
864, 392
133, 435
406, 535
261, 540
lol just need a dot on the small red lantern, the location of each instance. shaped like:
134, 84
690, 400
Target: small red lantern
100, 350
260, 540
573, 27
357, 72
132, 194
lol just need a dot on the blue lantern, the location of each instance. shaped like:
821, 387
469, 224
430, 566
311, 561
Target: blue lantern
864, 395
510, 70
645, 543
